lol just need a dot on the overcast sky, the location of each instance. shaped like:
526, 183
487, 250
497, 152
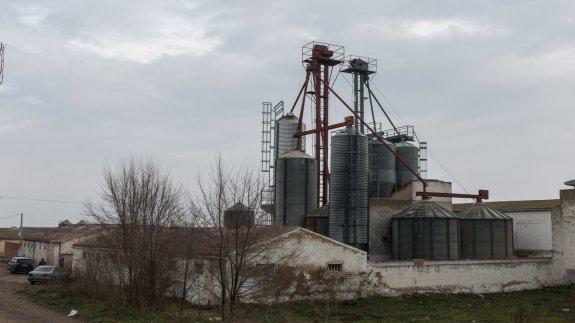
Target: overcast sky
489, 84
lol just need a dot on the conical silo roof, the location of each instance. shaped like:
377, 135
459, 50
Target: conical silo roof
480, 211
295, 154
425, 209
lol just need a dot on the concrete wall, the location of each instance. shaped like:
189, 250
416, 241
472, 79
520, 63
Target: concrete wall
316, 250
433, 185
462, 276
563, 222
532, 230
380, 213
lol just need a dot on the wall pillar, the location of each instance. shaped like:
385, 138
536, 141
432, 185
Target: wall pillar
566, 238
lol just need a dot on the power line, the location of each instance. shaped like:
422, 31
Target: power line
441, 165
38, 199
447, 171
9, 216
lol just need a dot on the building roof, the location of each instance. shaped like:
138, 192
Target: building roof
513, 206
47, 234
203, 238
480, 211
321, 212
425, 209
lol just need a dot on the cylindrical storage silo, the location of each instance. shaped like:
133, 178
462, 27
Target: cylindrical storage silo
485, 233
284, 140
409, 153
382, 175
238, 215
296, 188
348, 191
425, 230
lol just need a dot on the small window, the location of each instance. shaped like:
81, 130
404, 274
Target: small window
334, 267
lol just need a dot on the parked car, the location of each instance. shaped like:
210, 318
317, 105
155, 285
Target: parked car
20, 265
44, 274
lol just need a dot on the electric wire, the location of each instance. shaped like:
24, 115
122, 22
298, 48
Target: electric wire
38, 199
9, 216
433, 156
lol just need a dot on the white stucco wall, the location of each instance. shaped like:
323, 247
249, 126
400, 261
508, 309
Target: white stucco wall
532, 230
318, 251
464, 276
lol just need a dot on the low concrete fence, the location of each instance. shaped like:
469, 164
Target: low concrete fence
461, 276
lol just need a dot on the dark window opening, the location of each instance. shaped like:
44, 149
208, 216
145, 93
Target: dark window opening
334, 267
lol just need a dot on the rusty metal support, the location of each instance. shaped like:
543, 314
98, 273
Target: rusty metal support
348, 122
300, 92
380, 106
325, 135
482, 195
401, 160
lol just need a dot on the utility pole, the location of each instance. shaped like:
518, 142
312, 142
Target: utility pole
20, 233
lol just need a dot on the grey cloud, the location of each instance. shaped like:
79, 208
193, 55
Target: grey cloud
488, 84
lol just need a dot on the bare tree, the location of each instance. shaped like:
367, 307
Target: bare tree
249, 252
140, 207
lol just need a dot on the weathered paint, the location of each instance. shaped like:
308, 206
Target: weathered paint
532, 230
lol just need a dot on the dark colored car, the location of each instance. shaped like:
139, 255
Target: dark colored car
44, 274
20, 265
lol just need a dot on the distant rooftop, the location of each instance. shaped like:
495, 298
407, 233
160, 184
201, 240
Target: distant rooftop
511, 206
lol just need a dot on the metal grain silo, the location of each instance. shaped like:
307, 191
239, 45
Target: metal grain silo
425, 230
382, 174
485, 233
296, 188
348, 191
284, 140
238, 215
409, 153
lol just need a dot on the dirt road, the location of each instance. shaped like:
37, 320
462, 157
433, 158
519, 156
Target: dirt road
14, 308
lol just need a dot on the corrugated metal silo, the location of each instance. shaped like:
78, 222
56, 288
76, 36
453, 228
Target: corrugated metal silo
425, 230
409, 153
382, 174
284, 140
348, 192
296, 188
238, 215
485, 233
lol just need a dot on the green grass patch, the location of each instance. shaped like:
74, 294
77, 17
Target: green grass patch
101, 311
555, 304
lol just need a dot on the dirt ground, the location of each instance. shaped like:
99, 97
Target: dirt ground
14, 308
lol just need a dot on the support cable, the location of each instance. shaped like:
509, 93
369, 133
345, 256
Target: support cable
381, 107
401, 159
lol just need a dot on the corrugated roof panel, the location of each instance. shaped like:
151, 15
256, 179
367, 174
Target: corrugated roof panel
481, 211
425, 209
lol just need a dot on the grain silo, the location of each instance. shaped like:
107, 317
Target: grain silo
410, 154
382, 174
348, 192
485, 233
425, 230
296, 188
238, 215
284, 141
